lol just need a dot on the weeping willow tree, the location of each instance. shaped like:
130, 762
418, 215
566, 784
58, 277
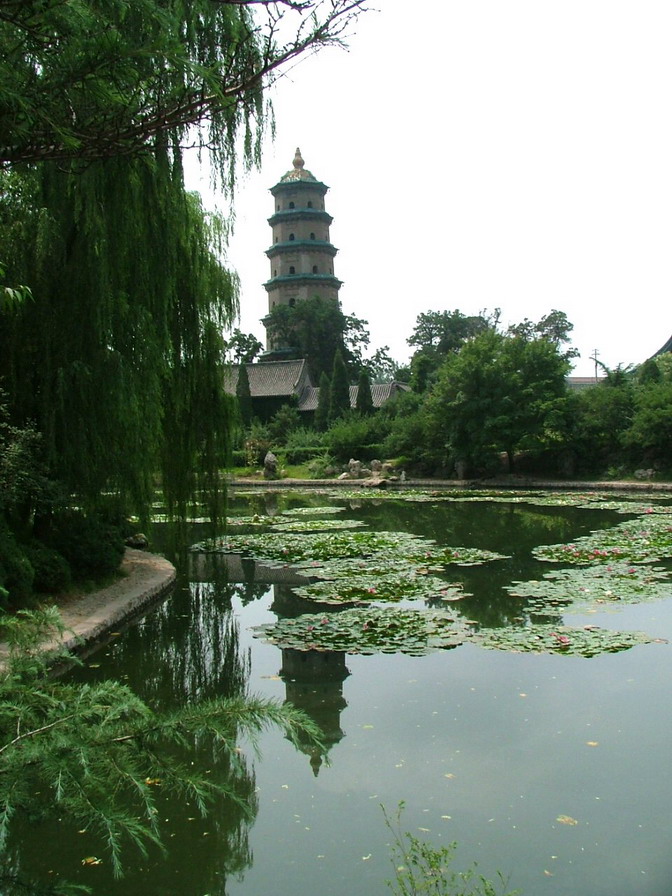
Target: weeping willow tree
118, 357
116, 350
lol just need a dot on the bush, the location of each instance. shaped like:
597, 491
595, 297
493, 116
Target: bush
354, 436
52, 572
16, 571
91, 547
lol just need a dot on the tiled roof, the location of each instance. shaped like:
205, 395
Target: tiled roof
581, 382
380, 393
666, 348
272, 379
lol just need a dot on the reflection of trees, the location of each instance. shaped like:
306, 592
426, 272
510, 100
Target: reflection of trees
187, 649
201, 853
314, 683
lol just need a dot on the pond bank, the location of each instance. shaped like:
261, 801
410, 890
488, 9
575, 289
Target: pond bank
144, 578
501, 482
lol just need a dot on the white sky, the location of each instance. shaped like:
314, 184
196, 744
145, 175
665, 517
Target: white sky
481, 154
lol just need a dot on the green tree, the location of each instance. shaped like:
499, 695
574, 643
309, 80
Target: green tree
99, 79
364, 403
381, 366
339, 389
323, 399
93, 753
648, 438
244, 396
438, 334
118, 357
316, 329
501, 393
242, 348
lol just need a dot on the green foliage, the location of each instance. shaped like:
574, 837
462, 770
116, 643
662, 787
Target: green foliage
339, 390
92, 80
92, 548
419, 867
52, 571
284, 422
353, 436
438, 334
16, 571
244, 396
364, 403
323, 398
499, 394
648, 438
317, 329
242, 348
92, 753
119, 358
600, 416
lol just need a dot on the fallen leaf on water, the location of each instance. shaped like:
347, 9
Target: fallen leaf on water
366, 858
92, 860
548, 873
367, 726
449, 775
592, 743
566, 819
152, 781
272, 677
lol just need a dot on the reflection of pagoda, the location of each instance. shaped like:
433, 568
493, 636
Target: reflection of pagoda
314, 683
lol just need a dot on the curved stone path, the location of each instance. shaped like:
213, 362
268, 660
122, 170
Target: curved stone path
145, 577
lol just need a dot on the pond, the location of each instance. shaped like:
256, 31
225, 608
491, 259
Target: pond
533, 728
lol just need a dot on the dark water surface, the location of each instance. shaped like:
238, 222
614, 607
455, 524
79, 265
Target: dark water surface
487, 748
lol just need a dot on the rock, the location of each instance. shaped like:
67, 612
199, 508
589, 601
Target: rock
355, 468
644, 474
376, 466
270, 466
345, 476
374, 482
138, 541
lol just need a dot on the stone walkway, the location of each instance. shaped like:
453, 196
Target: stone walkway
145, 577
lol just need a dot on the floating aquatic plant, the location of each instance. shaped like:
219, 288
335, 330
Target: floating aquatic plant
351, 585
590, 587
587, 642
641, 540
367, 630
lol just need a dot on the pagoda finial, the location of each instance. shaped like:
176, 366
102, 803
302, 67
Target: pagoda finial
298, 161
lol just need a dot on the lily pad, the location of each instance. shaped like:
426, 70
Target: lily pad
367, 630
591, 587
587, 642
348, 583
639, 541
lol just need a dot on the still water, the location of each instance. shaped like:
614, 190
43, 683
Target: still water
486, 748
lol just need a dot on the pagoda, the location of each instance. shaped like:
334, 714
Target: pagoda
301, 254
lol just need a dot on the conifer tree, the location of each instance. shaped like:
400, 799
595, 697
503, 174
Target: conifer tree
323, 401
339, 390
364, 403
244, 395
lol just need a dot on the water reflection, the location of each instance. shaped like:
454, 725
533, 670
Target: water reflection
314, 683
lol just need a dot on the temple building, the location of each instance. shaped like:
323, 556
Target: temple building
301, 258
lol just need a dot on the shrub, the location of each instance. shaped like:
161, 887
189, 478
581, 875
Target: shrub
52, 572
91, 547
16, 571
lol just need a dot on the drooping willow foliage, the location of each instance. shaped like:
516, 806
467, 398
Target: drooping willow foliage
118, 356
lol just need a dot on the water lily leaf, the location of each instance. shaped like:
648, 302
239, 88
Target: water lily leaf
567, 819
367, 629
586, 642
582, 588
638, 541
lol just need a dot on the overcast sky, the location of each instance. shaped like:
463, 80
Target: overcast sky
481, 154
